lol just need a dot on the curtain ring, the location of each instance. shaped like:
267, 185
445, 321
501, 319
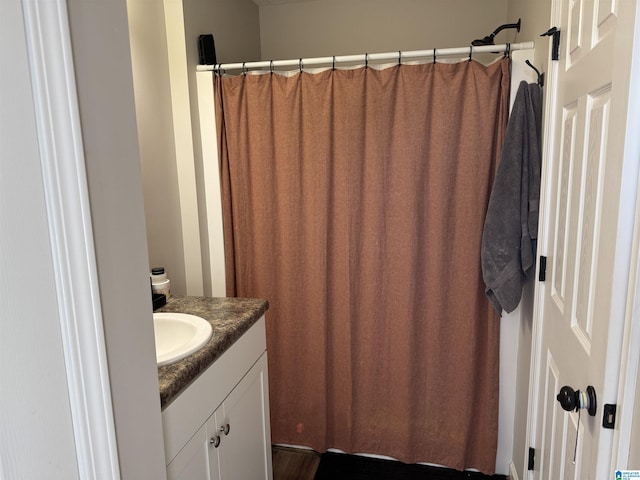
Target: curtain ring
507, 52
244, 69
334, 63
434, 55
271, 66
300, 64
470, 51
399, 57
366, 60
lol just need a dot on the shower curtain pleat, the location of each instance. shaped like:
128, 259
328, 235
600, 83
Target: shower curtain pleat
354, 202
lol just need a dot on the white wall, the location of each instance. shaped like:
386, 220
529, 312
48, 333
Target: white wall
535, 20
102, 57
164, 50
36, 434
157, 143
341, 27
235, 25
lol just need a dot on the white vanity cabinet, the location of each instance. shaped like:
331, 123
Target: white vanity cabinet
218, 428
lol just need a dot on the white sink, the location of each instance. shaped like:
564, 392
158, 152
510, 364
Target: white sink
178, 335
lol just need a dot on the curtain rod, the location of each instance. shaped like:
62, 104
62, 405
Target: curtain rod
367, 57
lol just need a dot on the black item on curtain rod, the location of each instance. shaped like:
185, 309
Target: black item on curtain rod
488, 40
366, 57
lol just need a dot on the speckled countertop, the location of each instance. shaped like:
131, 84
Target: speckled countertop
229, 317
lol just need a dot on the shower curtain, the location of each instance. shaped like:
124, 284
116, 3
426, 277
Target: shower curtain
354, 201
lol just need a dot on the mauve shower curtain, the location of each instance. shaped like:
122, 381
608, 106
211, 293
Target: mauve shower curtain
354, 202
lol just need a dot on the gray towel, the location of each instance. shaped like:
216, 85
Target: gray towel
511, 226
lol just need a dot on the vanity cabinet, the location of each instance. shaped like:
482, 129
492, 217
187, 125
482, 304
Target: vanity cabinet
218, 428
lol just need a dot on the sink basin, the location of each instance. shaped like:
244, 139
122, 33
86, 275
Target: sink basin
178, 335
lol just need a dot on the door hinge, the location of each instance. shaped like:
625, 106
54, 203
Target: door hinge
554, 32
532, 458
609, 415
542, 274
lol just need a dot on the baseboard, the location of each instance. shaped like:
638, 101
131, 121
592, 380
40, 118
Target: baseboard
513, 473
293, 447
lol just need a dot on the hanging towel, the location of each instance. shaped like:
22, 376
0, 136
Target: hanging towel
511, 225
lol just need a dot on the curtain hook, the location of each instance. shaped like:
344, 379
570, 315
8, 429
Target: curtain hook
244, 69
366, 60
334, 63
470, 51
399, 57
434, 55
271, 66
300, 64
507, 52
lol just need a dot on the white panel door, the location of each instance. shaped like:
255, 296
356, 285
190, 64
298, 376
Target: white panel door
583, 236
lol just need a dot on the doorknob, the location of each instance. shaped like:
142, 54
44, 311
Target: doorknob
571, 400
574, 400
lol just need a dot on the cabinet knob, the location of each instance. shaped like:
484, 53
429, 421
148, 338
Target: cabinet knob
226, 428
215, 441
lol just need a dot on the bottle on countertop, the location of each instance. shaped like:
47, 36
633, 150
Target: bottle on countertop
159, 281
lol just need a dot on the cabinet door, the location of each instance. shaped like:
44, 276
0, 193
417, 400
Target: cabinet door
193, 460
214, 443
245, 451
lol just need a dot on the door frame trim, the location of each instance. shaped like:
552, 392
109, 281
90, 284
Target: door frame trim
71, 236
548, 139
630, 352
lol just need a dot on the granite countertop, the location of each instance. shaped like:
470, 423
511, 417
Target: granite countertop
229, 317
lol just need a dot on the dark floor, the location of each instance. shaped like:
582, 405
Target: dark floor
294, 464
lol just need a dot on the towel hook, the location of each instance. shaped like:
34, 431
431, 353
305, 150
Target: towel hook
540, 75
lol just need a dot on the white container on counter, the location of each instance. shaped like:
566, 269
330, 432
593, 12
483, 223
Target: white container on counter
159, 281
